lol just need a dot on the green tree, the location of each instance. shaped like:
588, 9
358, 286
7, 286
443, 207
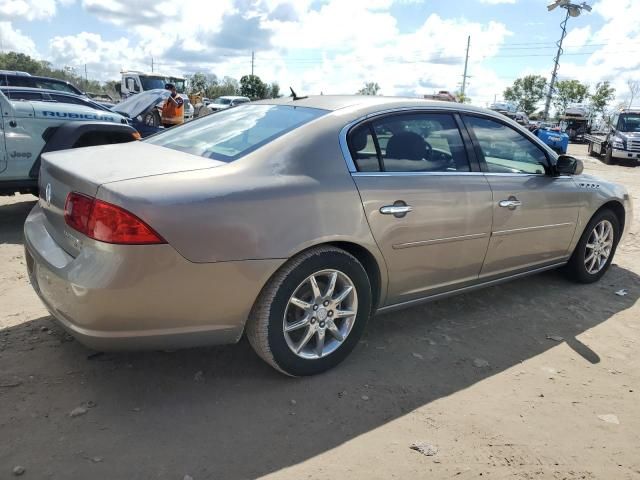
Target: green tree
199, 82
251, 86
274, 90
569, 91
602, 96
370, 88
21, 62
526, 92
228, 86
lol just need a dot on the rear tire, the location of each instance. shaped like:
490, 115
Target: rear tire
289, 310
582, 266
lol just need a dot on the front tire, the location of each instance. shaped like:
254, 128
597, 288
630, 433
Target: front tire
608, 158
312, 312
595, 250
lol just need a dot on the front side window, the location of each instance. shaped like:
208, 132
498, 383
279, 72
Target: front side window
412, 142
504, 149
233, 133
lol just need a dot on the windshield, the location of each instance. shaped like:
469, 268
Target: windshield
137, 104
222, 101
232, 133
629, 122
151, 83
178, 82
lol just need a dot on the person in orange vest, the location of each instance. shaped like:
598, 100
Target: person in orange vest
173, 108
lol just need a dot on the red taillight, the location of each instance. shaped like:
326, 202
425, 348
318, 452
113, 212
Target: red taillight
106, 222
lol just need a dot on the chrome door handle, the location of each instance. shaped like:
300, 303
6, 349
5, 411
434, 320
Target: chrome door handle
511, 204
397, 210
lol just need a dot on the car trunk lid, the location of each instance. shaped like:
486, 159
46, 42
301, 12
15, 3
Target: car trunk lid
83, 170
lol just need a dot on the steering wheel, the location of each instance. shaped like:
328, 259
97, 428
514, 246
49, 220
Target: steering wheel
439, 159
428, 151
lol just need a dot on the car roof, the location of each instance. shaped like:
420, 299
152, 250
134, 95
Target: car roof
38, 77
40, 90
370, 103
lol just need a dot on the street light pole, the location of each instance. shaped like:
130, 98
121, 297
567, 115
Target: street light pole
556, 64
573, 10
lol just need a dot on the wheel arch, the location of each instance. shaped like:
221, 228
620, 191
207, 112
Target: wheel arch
370, 264
373, 265
617, 208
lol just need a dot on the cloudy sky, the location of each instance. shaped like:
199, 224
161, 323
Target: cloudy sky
333, 46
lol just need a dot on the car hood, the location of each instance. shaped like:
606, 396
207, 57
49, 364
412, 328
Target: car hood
629, 135
141, 103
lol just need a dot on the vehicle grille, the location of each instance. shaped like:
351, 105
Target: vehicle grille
633, 145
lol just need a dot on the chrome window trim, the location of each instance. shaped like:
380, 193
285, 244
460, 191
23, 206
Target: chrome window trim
457, 174
449, 109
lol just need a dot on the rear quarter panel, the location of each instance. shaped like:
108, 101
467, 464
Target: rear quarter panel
289, 195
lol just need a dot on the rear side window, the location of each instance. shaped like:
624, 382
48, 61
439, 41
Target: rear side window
66, 99
231, 134
412, 142
24, 95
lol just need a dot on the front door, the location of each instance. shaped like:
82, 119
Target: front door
534, 213
429, 213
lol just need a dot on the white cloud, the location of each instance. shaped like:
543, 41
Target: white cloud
578, 37
14, 40
104, 59
30, 9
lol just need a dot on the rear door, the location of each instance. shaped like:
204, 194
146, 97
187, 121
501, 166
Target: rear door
428, 207
534, 213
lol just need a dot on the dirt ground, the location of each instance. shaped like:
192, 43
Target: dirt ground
475, 377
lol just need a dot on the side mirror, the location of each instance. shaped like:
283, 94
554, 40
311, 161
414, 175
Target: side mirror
567, 165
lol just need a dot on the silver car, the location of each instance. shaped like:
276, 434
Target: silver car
294, 219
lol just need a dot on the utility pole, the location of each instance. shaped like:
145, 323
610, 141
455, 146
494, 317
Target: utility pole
253, 57
465, 76
86, 77
151, 63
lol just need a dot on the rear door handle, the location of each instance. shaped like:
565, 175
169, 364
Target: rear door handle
511, 204
398, 209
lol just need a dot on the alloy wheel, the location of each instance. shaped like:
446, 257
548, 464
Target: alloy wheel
320, 314
599, 247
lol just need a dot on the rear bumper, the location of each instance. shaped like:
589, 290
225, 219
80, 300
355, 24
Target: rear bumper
114, 297
623, 154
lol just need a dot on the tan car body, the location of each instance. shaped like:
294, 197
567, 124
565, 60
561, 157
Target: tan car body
229, 227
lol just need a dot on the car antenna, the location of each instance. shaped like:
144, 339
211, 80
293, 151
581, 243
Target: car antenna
295, 96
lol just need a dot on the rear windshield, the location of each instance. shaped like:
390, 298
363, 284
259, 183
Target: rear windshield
230, 134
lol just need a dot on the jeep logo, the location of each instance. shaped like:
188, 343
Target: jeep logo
16, 154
